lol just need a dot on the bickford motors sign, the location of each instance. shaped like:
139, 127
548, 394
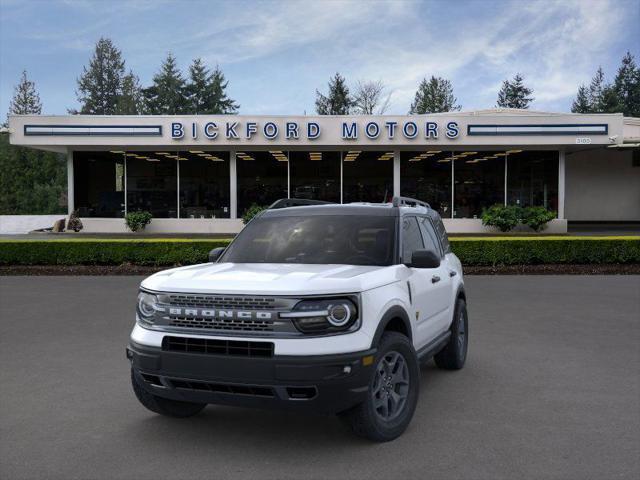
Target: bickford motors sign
294, 130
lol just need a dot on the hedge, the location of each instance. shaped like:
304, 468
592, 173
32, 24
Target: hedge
164, 252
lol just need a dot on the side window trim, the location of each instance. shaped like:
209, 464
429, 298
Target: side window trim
417, 222
435, 237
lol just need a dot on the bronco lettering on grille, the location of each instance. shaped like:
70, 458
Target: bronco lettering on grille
210, 313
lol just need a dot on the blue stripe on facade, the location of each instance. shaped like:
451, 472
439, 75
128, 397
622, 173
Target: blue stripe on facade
569, 130
70, 133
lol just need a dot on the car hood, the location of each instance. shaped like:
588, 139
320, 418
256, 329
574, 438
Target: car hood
272, 278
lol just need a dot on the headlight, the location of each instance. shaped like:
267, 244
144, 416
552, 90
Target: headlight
146, 306
327, 315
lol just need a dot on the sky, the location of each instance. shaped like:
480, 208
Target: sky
275, 54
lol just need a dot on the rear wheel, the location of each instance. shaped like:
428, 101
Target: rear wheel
164, 406
454, 354
393, 392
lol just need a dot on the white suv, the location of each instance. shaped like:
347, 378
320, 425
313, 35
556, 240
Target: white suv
326, 308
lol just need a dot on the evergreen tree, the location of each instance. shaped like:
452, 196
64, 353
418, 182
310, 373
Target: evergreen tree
100, 85
581, 104
167, 95
627, 86
433, 96
31, 181
219, 102
206, 91
514, 94
130, 101
596, 91
25, 99
338, 101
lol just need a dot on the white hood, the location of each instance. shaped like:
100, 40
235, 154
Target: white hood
272, 278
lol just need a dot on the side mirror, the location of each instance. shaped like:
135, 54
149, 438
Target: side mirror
214, 254
425, 259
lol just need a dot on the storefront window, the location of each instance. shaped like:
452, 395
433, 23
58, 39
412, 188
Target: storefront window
367, 176
152, 183
426, 176
99, 184
478, 182
204, 184
532, 178
262, 178
315, 175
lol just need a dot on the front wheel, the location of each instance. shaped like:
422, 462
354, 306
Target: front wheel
454, 353
392, 394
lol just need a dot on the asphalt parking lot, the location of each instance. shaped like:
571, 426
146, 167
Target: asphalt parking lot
551, 390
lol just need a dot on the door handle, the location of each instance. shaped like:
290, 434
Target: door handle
435, 279
452, 273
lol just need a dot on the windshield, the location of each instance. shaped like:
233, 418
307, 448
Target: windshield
320, 239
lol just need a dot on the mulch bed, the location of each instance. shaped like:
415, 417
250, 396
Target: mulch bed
551, 269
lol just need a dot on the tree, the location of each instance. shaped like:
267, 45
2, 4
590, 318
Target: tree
370, 98
434, 95
581, 104
514, 94
206, 92
167, 95
130, 101
596, 91
627, 86
100, 85
25, 99
338, 101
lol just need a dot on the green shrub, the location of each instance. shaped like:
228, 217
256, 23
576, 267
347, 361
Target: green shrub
169, 252
137, 220
537, 217
504, 218
108, 252
251, 212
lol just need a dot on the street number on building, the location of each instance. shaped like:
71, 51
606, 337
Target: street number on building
583, 141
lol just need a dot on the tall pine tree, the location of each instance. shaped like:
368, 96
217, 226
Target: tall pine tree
206, 92
582, 103
130, 101
25, 99
100, 85
514, 94
167, 94
31, 181
627, 86
338, 100
433, 96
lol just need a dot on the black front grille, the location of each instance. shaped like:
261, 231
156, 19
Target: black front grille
225, 324
222, 301
218, 347
253, 390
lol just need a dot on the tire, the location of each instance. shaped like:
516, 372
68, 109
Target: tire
164, 406
454, 353
368, 419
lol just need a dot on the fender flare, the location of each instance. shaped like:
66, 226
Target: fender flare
393, 312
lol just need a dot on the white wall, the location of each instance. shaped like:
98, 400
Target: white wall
12, 224
602, 185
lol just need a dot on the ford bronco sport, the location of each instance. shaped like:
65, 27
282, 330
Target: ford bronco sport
326, 308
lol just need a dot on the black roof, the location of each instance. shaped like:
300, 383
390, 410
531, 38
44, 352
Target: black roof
381, 210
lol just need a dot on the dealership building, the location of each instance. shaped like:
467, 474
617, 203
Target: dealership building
201, 173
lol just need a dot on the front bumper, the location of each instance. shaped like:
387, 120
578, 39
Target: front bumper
319, 383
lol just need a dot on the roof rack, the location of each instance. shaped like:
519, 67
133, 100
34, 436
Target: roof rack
408, 201
295, 202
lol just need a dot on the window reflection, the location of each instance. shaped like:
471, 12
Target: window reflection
532, 178
426, 175
204, 184
99, 184
478, 182
262, 178
315, 175
152, 183
367, 176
